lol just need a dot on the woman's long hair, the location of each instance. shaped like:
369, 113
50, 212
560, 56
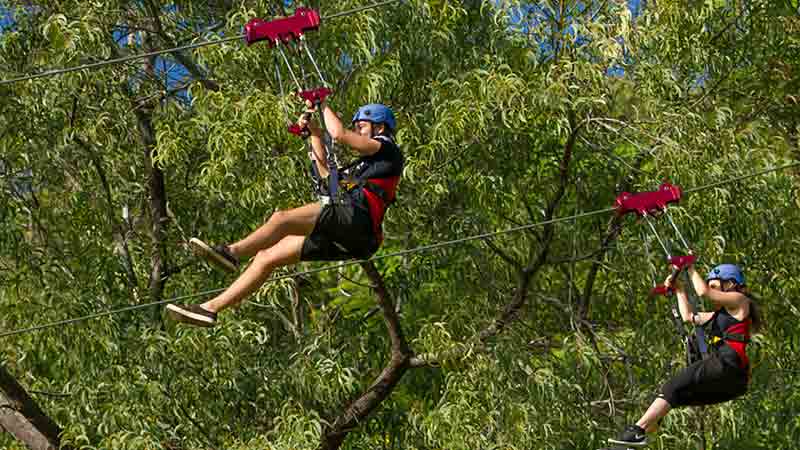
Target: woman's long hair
756, 322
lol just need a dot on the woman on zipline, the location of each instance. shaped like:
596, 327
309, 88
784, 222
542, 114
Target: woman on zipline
725, 374
339, 230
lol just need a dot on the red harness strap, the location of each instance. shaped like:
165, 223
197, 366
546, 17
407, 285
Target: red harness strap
380, 193
743, 329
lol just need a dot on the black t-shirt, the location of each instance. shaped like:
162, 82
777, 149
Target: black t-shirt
387, 162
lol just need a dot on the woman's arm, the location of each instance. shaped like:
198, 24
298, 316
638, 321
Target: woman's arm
687, 314
362, 144
731, 300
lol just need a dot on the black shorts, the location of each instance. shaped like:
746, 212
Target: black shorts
706, 382
343, 231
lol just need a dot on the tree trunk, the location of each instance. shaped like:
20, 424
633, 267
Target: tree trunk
21, 416
157, 201
381, 388
117, 230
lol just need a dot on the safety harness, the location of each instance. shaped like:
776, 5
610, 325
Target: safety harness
736, 336
380, 192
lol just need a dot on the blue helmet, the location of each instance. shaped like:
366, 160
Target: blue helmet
725, 272
376, 113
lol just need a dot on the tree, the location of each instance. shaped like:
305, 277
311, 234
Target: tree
510, 113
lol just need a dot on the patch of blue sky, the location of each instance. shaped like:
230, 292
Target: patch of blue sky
636, 7
172, 73
615, 71
700, 80
529, 15
6, 17
166, 68
346, 61
174, 77
532, 14
122, 34
526, 17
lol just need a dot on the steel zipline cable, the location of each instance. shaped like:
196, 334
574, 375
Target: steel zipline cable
420, 249
124, 59
746, 176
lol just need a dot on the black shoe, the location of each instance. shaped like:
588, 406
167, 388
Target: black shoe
633, 435
193, 315
219, 255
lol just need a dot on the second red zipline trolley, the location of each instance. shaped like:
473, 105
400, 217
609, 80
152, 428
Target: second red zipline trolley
648, 206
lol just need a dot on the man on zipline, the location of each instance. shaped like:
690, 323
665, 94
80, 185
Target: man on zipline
348, 228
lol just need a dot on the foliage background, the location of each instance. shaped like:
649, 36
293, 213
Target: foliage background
510, 113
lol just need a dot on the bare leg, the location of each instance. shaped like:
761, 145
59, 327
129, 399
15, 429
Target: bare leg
294, 222
658, 409
285, 252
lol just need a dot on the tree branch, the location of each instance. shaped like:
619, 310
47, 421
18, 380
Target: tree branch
503, 255
529, 272
28, 423
298, 309
51, 394
185, 61
509, 313
157, 200
574, 259
333, 436
613, 230
118, 233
